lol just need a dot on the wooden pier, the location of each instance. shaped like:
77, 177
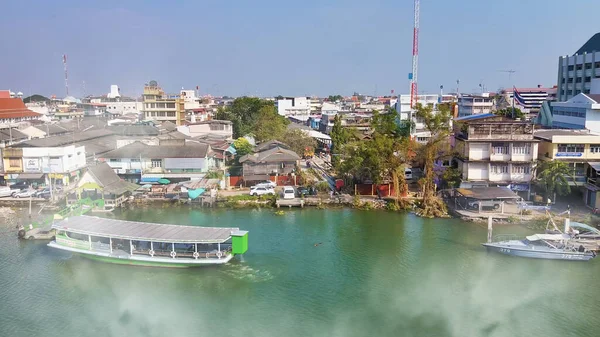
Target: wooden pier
296, 202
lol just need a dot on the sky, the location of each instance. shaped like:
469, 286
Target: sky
290, 48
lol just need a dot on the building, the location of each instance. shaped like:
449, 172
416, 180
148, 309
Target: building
475, 104
115, 92
579, 112
62, 164
495, 150
532, 98
101, 183
122, 108
159, 107
290, 106
358, 121
405, 112
575, 73
577, 148
213, 127
176, 160
13, 110
276, 160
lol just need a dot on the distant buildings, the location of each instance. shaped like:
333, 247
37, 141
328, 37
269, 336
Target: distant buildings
475, 104
291, 106
13, 110
575, 73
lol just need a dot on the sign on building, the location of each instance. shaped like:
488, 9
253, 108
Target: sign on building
31, 165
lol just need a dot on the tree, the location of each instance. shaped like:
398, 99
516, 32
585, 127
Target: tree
335, 98
242, 146
298, 141
269, 125
552, 176
243, 114
438, 124
508, 112
339, 137
451, 177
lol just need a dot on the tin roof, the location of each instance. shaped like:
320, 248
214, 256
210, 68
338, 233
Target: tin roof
488, 193
143, 231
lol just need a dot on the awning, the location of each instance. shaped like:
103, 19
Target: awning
149, 180
595, 165
30, 176
164, 181
256, 177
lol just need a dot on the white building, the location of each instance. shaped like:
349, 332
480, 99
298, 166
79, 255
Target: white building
579, 112
213, 127
115, 92
575, 73
404, 110
60, 163
533, 98
124, 107
294, 106
475, 104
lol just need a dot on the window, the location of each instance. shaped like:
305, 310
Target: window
499, 148
569, 68
156, 162
563, 80
113, 160
570, 148
578, 80
14, 162
170, 114
579, 66
570, 80
521, 148
588, 79
567, 111
597, 64
595, 148
498, 169
521, 169
135, 160
170, 105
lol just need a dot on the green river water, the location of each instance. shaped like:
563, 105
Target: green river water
370, 274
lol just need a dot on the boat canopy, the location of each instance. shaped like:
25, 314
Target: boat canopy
591, 229
549, 237
143, 231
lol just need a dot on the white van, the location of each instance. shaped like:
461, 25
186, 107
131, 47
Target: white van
5, 191
288, 192
407, 173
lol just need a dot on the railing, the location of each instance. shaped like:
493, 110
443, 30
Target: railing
505, 237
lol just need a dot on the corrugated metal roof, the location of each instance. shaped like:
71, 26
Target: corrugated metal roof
488, 193
473, 117
143, 231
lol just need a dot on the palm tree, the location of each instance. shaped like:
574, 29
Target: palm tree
552, 176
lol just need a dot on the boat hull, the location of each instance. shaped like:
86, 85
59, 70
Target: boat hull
142, 260
539, 254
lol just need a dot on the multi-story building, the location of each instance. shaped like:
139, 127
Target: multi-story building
579, 112
532, 98
575, 73
62, 164
160, 107
495, 150
402, 106
215, 128
290, 106
474, 104
124, 107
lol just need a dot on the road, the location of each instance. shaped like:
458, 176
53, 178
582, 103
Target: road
319, 165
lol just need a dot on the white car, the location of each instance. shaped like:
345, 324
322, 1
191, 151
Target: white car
261, 190
267, 183
288, 192
24, 193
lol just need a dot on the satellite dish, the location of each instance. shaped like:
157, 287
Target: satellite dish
153, 83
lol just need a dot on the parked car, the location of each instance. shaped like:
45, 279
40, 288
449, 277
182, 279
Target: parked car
19, 185
485, 205
303, 191
261, 190
26, 193
288, 192
5, 191
45, 193
267, 183
408, 175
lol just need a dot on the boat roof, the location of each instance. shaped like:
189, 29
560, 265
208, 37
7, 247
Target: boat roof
144, 231
551, 237
584, 226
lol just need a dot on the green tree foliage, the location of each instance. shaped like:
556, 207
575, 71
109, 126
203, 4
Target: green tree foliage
269, 124
552, 177
243, 113
242, 146
508, 112
298, 141
438, 123
451, 177
340, 136
335, 98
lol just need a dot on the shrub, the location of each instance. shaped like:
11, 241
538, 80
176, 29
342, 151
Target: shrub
322, 186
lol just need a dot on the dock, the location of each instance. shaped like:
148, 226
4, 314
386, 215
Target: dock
296, 202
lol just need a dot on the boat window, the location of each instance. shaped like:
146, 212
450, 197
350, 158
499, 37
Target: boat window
77, 236
100, 239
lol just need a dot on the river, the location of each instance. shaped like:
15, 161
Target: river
307, 273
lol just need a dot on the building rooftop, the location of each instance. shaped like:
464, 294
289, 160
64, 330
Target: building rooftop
549, 133
592, 45
138, 149
134, 130
64, 140
15, 108
106, 177
488, 193
52, 129
128, 230
274, 155
7, 134
594, 97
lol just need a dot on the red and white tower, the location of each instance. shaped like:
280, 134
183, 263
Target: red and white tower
415, 58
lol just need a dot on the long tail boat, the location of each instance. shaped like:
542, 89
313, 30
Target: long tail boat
148, 244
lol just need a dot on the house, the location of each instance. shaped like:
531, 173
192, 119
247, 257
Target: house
176, 160
100, 182
10, 136
495, 150
45, 130
274, 161
579, 112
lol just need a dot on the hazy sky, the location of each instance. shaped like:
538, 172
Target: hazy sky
268, 47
